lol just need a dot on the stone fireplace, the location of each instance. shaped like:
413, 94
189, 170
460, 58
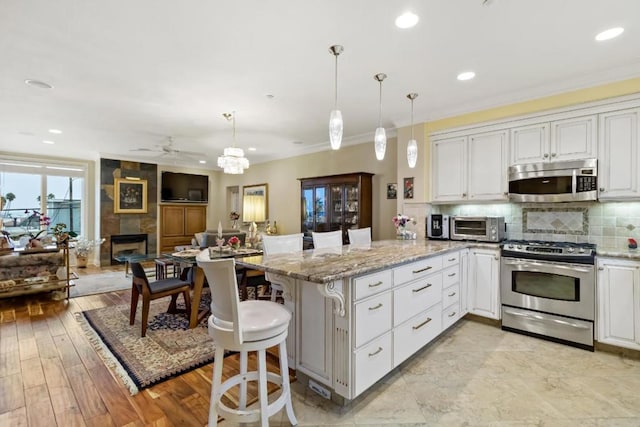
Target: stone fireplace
127, 244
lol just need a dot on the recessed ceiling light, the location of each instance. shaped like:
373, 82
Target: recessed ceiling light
38, 84
298, 142
202, 162
46, 141
56, 131
407, 20
251, 149
609, 34
467, 75
270, 96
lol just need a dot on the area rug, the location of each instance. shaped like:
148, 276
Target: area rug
169, 349
99, 283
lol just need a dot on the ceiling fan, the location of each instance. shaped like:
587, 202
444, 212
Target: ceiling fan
169, 149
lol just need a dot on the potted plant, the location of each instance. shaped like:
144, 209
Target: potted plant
61, 233
83, 250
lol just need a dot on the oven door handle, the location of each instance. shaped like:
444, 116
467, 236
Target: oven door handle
530, 264
541, 319
574, 183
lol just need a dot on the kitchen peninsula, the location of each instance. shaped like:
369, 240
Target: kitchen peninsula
360, 311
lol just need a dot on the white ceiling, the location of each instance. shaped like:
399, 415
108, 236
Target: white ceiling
128, 74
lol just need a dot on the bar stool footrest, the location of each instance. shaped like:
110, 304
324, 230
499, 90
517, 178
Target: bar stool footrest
252, 415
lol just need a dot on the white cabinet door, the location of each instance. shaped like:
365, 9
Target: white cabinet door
464, 282
484, 285
574, 139
618, 158
449, 170
488, 166
618, 320
530, 144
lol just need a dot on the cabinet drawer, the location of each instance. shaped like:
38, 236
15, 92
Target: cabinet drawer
415, 333
372, 362
450, 315
450, 295
370, 284
415, 297
450, 276
372, 318
416, 270
450, 259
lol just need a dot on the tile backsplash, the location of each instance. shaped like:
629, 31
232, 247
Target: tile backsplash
605, 224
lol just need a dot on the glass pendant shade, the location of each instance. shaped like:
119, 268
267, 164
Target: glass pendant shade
233, 161
412, 153
380, 143
412, 145
335, 129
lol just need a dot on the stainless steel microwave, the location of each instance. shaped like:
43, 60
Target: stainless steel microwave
479, 228
563, 181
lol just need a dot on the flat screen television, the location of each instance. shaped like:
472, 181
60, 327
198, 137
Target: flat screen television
184, 187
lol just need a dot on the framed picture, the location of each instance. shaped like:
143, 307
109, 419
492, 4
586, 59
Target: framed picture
392, 191
255, 203
408, 188
130, 195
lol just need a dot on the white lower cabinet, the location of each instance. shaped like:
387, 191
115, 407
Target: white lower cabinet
618, 315
372, 362
415, 333
484, 283
373, 317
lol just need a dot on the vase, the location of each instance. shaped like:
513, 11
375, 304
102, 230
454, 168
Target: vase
401, 233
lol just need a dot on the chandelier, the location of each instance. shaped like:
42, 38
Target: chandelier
233, 160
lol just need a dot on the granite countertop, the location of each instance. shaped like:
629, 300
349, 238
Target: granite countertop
327, 265
633, 254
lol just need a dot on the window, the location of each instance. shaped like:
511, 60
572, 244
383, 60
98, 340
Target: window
37, 195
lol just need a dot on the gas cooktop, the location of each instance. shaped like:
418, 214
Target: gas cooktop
583, 253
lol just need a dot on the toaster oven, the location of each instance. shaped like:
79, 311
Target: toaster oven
478, 228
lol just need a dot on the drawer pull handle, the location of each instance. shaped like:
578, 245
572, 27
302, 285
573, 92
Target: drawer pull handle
375, 352
452, 294
422, 324
373, 285
422, 269
452, 314
452, 274
428, 285
376, 307
451, 259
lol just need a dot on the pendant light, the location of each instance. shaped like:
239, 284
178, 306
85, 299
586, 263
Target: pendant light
412, 145
335, 119
380, 138
233, 160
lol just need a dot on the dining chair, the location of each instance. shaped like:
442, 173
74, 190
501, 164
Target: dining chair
359, 236
285, 244
326, 239
245, 326
154, 290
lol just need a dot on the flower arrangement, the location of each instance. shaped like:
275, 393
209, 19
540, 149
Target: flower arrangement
234, 216
234, 242
84, 246
400, 222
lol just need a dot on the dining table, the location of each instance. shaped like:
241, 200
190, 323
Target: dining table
188, 257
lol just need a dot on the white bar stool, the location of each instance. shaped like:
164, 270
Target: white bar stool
359, 236
285, 244
328, 239
245, 326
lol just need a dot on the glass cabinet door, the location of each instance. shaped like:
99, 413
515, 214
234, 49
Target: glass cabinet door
336, 207
307, 210
352, 209
320, 203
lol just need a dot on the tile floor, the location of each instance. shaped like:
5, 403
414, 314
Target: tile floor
477, 374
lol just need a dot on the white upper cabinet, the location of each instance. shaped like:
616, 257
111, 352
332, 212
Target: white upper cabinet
618, 158
470, 168
530, 144
567, 139
449, 169
487, 178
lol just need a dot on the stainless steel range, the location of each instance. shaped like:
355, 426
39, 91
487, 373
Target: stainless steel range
548, 290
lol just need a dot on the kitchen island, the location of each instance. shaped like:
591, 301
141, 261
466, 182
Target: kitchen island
359, 311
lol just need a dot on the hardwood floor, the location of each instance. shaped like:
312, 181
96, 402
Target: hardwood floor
51, 375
